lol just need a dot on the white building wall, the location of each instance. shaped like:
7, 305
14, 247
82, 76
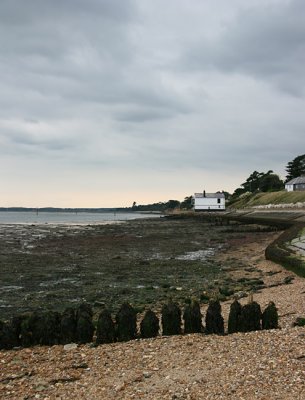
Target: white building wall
289, 188
207, 203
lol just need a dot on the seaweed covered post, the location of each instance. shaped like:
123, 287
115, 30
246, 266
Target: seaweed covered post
149, 326
84, 324
235, 322
9, 337
251, 317
171, 319
50, 328
214, 322
105, 330
270, 318
192, 318
68, 326
126, 321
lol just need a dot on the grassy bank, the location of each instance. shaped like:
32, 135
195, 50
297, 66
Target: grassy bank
260, 199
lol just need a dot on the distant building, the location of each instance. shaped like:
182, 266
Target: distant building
296, 184
209, 201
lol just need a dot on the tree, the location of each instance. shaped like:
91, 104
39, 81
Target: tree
253, 182
260, 181
187, 203
296, 167
271, 183
171, 204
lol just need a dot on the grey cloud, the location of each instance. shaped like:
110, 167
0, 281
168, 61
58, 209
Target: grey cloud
171, 88
64, 54
265, 42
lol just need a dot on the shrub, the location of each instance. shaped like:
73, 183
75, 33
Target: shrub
149, 326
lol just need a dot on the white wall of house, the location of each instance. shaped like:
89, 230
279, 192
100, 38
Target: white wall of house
289, 188
209, 203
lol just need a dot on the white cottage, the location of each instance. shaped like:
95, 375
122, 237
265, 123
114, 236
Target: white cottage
296, 184
209, 201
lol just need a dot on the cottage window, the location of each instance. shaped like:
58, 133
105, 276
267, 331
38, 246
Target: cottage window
218, 201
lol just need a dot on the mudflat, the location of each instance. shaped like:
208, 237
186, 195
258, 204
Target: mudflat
144, 262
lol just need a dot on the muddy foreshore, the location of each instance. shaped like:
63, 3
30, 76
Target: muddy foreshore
145, 262
256, 365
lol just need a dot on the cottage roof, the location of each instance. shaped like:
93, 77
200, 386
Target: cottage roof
296, 181
217, 195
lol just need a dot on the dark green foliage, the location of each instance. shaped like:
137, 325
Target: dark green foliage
105, 330
214, 321
234, 322
271, 183
251, 317
187, 203
270, 318
126, 321
192, 318
171, 319
260, 181
296, 167
149, 326
68, 326
169, 205
84, 325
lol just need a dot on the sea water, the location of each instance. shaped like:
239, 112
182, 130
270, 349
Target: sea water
73, 218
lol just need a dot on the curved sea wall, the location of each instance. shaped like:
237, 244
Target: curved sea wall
281, 250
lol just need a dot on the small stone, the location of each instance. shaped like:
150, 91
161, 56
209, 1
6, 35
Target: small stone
70, 346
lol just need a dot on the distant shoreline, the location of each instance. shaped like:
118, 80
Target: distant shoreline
59, 209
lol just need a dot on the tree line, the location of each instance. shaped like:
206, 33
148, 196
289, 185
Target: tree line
269, 181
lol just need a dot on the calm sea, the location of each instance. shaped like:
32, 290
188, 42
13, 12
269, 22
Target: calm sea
80, 218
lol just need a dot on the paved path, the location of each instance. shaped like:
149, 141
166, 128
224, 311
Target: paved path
298, 244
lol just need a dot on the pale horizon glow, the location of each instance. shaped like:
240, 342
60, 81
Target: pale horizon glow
104, 102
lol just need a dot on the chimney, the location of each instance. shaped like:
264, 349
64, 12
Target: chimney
204, 193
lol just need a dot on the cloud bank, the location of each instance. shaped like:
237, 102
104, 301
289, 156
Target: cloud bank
103, 103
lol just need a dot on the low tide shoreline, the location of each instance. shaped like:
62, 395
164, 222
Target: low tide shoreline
256, 365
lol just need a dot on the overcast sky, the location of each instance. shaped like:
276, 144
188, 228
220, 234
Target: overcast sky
106, 102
